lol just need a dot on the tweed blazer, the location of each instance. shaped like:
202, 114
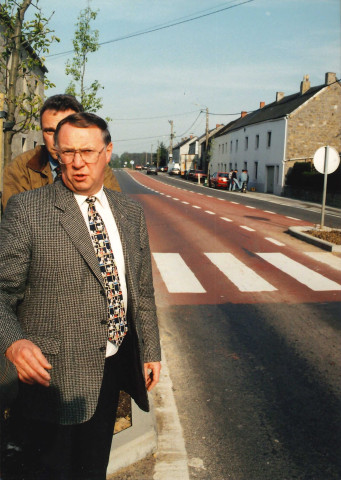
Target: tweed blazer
52, 293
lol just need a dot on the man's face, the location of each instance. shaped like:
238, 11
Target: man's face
80, 177
49, 122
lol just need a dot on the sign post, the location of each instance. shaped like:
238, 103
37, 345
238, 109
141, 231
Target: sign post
326, 160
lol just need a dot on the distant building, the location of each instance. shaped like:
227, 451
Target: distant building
268, 141
28, 139
182, 156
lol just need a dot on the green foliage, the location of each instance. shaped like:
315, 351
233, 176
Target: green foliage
85, 42
22, 50
163, 154
304, 176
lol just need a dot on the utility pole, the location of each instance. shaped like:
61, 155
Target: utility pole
158, 154
171, 141
2, 116
206, 143
151, 154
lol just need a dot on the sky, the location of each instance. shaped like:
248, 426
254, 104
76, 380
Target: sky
227, 61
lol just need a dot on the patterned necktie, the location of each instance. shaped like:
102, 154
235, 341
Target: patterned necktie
117, 322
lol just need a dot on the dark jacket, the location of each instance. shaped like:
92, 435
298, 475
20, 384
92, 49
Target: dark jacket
32, 170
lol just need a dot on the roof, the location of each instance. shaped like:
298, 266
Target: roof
274, 110
184, 141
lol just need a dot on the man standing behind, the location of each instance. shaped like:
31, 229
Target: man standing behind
36, 168
77, 309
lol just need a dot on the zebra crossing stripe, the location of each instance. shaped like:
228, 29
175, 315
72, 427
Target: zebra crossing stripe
275, 242
176, 274
245, 279
313, 280
327, 258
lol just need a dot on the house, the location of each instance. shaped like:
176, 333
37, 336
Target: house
29, 84
181, 154
268, 141
199, 148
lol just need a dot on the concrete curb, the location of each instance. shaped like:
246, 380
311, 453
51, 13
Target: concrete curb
136, 442
299, 232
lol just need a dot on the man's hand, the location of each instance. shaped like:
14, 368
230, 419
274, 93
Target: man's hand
152, 376
30, 363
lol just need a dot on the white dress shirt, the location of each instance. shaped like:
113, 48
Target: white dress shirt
103, 208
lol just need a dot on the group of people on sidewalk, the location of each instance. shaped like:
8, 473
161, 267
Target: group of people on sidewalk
235, 183
77, 310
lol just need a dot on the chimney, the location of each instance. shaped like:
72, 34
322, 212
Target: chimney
243, 114
191, 136
261, 104
330, 77
305, 85
217, 125
279, 96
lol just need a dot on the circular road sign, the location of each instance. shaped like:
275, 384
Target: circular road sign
131, 162
333, 159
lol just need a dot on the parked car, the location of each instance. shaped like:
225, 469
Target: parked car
196, 174
138, 167
145, 166
152, 170
174, 171
173, 168
189, 174
163, 168
219, 180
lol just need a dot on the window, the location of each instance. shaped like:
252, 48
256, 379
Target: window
231, 146
23, 144
236, 145
225, 167
230, 166
246, 143
268, 143
219, 147
235, 166
222, 149
256, 170
245, 165
277, 174
257, 142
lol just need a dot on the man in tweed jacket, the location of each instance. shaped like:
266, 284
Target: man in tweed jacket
53, 311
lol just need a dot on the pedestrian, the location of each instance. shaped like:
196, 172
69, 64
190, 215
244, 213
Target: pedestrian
244, 179
74, 341
38, 167
230, 179
235, 181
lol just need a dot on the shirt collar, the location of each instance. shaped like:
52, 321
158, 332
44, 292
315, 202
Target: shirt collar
82, 198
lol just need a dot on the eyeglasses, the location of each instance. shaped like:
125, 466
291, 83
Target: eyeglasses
88, 156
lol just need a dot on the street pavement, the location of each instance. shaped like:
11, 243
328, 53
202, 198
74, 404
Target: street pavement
256, 342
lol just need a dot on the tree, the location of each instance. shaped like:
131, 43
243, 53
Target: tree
163, 154
23, 44
85, 41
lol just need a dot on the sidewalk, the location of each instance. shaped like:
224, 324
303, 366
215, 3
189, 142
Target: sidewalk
169, 460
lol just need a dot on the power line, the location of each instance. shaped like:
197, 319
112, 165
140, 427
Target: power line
157, 28
152, 118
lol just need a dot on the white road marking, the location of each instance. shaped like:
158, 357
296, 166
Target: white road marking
176, 274
276, 242
269, 211
168, 196
247, 228
245, 279
195, 206
208, 211
302, 274
175, 198
327, 258
236, 203
249, 206
186, 203
226, 219
293, 218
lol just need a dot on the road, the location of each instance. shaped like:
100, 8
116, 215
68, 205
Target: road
250, 324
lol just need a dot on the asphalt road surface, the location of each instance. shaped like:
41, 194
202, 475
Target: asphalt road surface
250, 322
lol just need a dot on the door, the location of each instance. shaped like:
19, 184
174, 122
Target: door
270, 179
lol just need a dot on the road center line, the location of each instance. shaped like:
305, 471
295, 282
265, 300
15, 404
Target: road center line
276, 242
208, 211
226, 219
247, 228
